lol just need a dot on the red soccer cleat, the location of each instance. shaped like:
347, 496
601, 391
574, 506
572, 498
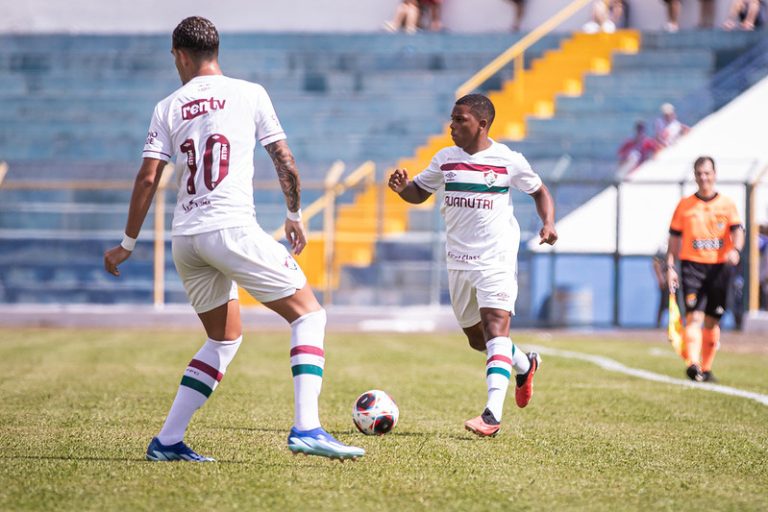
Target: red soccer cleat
524, 388
485, 425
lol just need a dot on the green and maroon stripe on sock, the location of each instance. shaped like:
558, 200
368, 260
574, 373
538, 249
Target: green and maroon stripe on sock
199, 385
298, 367
498, 369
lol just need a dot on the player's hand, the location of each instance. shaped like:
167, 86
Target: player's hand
296, 236
398, 180
673, 282
114, 257
548, 235
733, 257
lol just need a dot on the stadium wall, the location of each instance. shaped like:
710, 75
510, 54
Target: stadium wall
150, 16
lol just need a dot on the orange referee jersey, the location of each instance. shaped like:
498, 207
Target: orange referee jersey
705, 228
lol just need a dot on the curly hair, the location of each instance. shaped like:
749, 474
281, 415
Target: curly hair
198, 36
480, 106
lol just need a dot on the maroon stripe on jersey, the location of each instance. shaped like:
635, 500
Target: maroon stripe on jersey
207, 369
498, 357
461, 166
307, 349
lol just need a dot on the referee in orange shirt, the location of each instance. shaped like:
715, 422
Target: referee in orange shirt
707, 236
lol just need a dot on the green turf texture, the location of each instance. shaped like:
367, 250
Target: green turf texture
79, 407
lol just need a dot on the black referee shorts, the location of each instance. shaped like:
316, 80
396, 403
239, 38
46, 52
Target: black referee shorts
705, 286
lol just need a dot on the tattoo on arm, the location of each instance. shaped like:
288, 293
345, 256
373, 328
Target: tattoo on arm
287, 173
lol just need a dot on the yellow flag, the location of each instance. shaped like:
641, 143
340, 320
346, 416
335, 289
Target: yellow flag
675, 328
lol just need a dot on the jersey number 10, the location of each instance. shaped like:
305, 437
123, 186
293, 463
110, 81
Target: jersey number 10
188, 148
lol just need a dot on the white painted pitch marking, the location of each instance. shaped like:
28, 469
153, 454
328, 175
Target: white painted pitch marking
614, 366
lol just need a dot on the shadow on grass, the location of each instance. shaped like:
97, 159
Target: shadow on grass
139, 460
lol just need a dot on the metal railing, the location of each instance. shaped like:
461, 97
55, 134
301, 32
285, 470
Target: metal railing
517, 51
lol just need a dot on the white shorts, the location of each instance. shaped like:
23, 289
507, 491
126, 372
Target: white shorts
211, 265
474, 289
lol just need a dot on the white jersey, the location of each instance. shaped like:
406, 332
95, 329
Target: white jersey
212, 123
481, 229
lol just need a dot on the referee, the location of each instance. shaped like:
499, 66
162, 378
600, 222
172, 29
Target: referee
707, 236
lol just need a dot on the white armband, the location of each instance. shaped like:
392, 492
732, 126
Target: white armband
128, 243
294, 216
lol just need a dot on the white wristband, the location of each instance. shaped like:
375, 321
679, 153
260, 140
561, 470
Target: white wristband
294, 216
128, 243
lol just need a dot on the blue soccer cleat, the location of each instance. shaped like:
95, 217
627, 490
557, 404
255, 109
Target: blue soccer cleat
157, 452
319, 442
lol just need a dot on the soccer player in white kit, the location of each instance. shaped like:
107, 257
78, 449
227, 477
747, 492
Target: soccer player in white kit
482, 238
211, 123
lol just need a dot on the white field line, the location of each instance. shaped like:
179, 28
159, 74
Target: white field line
615, 366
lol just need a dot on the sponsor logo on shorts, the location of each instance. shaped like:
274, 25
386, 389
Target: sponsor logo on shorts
719, 310
503, 296
462, 257
690, 300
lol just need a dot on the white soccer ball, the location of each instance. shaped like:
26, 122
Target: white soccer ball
375, 413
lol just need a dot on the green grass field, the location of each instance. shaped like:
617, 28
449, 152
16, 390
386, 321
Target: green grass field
79, 407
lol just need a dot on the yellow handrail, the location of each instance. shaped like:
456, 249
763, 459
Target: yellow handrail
3, 172
364, 172
158, 291
754, 250
517, 50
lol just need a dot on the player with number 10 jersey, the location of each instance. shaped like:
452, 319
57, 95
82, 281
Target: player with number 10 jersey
210, 123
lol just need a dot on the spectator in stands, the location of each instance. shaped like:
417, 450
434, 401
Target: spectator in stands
406, 17
519, 12
432, 10
668, 128
673, 15
745, 15
707, 13
635, 150
606, 15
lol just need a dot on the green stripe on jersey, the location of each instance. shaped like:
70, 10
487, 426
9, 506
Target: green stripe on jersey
196, 385
301, 369
474, 187
498, 370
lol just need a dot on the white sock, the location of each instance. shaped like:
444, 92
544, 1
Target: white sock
498, 370
307, 363
520, 361
201, 377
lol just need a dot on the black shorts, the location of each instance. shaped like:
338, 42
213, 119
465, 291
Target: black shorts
705, 287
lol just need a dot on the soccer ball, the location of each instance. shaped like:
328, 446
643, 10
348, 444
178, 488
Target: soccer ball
375, 413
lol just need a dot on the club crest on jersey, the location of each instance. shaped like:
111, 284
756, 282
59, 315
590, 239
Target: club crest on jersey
290, 263
199, 107
490, 177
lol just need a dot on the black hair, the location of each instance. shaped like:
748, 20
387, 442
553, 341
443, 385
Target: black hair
480, 106
703, 159
198, 36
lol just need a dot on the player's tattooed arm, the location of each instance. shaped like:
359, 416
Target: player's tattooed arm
287, 173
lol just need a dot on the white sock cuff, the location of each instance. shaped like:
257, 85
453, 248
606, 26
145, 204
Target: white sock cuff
501, 344
309, 329
219, 353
